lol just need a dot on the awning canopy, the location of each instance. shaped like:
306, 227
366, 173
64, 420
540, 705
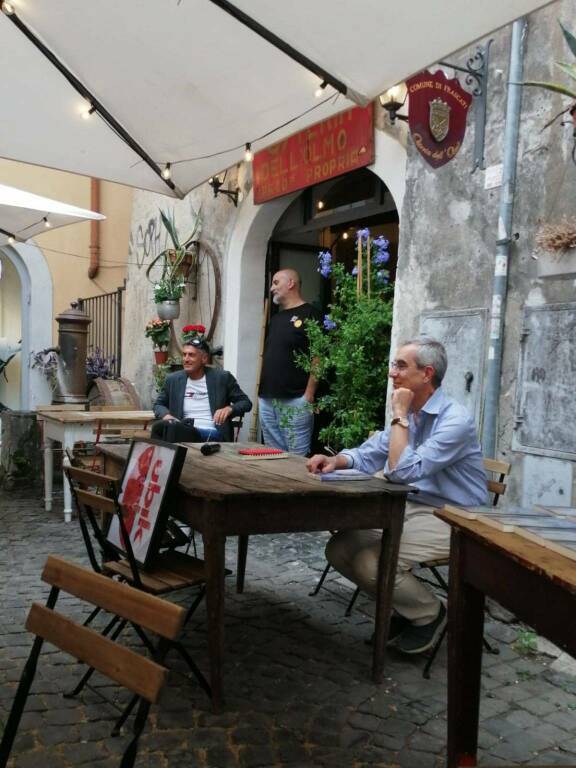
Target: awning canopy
24, 215
190, 82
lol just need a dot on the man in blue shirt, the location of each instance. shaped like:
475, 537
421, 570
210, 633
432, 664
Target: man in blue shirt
432, 444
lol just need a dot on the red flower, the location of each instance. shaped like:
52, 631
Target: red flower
194, 329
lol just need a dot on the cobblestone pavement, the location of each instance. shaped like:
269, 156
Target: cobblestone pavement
297, 677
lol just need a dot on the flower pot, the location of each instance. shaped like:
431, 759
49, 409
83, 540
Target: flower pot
160, 356
168, 310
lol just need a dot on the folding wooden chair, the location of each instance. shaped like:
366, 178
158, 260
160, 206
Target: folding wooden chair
96, 499
142, 676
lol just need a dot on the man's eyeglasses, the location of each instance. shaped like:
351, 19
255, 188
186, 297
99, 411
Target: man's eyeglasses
397, 365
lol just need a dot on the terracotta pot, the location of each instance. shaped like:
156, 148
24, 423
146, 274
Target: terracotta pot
160, 357
168, 310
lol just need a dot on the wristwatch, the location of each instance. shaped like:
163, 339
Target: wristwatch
401, 420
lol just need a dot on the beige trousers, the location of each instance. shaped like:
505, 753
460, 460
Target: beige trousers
355, 555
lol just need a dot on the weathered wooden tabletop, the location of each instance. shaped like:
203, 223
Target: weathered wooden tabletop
227, 474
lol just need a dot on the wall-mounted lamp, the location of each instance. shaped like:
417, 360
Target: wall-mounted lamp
394, 99
216, 184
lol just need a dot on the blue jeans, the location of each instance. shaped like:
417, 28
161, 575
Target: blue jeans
213, 435
287, 424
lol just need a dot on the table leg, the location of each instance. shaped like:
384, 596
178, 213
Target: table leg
48, 472
214, 551
465, 632
385, 587
241, 562
66, 485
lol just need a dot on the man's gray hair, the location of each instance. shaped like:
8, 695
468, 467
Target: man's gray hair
430, 352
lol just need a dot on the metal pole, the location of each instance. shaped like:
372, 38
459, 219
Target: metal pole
500, 286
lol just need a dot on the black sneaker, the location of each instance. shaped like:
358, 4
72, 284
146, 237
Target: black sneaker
417, 639
397, 625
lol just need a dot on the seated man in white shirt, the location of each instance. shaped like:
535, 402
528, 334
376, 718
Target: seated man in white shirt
210, 396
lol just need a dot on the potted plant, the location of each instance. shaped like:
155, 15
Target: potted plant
159, 331
190, 332
99, 366
175, 264
350, 352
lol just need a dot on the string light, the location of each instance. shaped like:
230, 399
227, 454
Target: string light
345, 236
11, 240
320, 204
87, 112
166, 171
248, 156
46, 222
319, 92
7, 7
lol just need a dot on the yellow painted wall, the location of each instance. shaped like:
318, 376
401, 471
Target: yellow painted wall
67, 249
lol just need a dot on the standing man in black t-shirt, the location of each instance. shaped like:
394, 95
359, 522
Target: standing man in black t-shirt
286, 393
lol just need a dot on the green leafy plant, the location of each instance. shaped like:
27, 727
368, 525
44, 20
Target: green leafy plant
174, 262
350, 352
568, 69
160, 372
526, 643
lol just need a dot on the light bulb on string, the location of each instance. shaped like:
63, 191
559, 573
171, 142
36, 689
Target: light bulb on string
46, 222
345, 236
167, 171
87, 111
7, 7
11, 240
320, 204
248, 156
319, 92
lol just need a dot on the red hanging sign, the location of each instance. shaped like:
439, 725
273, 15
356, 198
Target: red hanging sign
437, 116
330, 148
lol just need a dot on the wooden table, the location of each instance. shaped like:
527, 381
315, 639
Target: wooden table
223, 495
70, 427
538, 585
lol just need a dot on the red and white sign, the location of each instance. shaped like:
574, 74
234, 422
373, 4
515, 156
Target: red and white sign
144, 484
330, 148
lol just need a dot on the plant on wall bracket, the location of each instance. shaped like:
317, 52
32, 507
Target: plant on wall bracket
564, 90
175, 262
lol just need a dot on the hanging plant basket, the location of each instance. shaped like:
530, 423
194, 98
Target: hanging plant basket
168, 310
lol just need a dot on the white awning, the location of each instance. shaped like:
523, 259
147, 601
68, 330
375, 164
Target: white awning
189, 82
24, 215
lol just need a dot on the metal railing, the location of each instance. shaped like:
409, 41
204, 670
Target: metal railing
105, 330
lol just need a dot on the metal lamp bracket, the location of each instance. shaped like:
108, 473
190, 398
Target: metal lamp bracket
476, 79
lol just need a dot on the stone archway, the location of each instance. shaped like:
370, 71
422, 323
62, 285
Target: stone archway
36, 318
244, 265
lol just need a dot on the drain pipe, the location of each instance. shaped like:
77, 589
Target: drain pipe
94, 267
500, 285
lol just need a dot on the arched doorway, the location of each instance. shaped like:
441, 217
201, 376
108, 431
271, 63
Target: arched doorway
244, 267
26, 313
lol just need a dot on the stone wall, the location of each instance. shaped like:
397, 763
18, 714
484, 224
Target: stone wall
449, 228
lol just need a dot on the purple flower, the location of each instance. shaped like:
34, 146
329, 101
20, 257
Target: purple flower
381, 243
363, 234
381, 258
329, 324
355, 271
325, 261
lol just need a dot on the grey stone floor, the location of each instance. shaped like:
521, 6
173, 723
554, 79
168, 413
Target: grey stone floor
297, 676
